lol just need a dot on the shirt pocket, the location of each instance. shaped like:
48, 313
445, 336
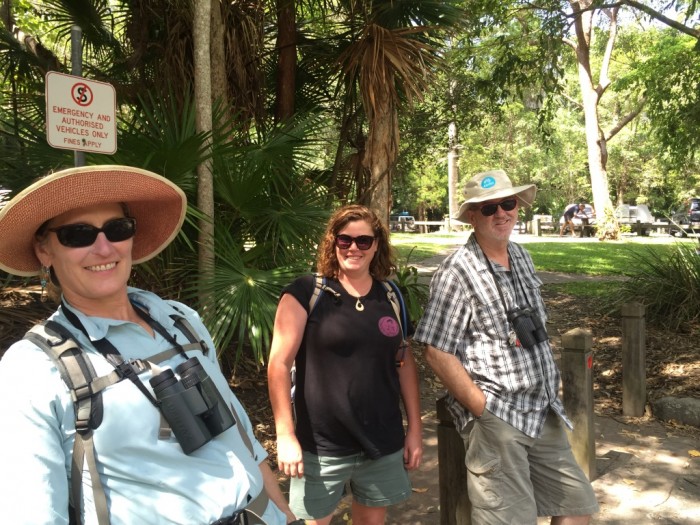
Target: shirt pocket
489, 321
532, 285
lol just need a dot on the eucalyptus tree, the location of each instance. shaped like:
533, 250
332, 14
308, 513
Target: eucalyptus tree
527, 44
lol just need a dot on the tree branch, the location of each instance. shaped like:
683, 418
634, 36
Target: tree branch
626, 119
658, 16
604, 80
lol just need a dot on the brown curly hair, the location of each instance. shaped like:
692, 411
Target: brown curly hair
384, 262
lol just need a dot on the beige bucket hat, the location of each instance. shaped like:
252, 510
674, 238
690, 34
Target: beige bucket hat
490, 185
157, 204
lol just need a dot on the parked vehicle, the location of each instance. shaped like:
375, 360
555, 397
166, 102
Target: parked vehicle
402, 223
638, 218
687, 220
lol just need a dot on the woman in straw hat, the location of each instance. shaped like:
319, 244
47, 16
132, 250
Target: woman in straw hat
144, 451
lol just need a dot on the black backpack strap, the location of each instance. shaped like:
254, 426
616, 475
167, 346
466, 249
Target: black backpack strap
182, 324
396, 299
79, 375
320, 286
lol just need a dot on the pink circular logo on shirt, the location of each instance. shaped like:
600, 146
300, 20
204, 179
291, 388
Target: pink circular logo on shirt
388, 326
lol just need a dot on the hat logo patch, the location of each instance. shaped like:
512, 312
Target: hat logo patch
488, 182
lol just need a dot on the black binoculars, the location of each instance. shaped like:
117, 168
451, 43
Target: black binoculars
192, 405
528, 327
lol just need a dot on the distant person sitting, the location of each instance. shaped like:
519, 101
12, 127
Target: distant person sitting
571, 211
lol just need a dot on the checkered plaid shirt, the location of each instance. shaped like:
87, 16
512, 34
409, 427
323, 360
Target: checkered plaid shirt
466, 317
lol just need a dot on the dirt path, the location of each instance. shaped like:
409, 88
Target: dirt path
647, 473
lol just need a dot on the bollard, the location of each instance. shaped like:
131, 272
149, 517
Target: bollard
577, 378
634, 393
455, 508
536, 227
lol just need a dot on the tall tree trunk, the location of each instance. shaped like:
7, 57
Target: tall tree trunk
380, 154
202, 93
591, 92
219, 80
287, 59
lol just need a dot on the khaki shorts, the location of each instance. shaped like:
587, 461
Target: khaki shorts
374, 483
513, 478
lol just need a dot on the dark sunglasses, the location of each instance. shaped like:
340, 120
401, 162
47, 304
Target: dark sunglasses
363, 242
489, 209
81, 235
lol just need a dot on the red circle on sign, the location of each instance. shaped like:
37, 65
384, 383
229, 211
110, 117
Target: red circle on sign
82, 94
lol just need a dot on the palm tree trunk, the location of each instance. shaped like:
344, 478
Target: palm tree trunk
202, 93
287, 60
380, 155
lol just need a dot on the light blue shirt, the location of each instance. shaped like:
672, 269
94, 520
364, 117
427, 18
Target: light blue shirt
147, 480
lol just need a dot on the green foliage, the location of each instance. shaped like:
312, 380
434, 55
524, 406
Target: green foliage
670, 77
415, 293
668, 284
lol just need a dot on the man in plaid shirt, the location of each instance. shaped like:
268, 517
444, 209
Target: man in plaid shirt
485, 339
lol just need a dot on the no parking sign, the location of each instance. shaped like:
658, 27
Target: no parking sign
80, 114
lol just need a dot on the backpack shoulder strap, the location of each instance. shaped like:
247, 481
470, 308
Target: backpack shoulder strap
319, 282
195, 343
320, 286
79, 375
396, 299
257, 506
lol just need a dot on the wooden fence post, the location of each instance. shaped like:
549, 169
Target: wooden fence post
577, 378
634, 393
536, 227
455, 508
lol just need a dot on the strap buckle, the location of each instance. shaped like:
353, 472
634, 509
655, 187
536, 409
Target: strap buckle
237, 518
125, 370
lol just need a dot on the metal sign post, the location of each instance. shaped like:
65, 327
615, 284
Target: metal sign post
80, 113
76, 57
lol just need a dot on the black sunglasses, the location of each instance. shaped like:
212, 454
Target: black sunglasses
81, 235
363, 242
489, 209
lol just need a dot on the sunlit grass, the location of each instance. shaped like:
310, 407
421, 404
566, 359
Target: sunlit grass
600, 258
588, 258
586, 289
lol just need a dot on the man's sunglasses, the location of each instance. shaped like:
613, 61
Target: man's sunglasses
489, 209
81, 235
363, 242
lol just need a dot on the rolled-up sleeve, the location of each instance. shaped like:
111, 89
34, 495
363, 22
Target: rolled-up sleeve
446, 318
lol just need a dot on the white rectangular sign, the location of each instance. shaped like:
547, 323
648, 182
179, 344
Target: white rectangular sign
80, 114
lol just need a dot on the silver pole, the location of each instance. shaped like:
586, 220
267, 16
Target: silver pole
76, 58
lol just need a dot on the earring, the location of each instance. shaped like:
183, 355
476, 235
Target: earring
45, 277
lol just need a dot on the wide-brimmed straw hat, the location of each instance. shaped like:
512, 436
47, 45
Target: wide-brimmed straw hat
490, 185
157, 204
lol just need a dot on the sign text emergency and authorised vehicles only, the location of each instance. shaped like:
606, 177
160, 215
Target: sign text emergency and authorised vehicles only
80, 114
